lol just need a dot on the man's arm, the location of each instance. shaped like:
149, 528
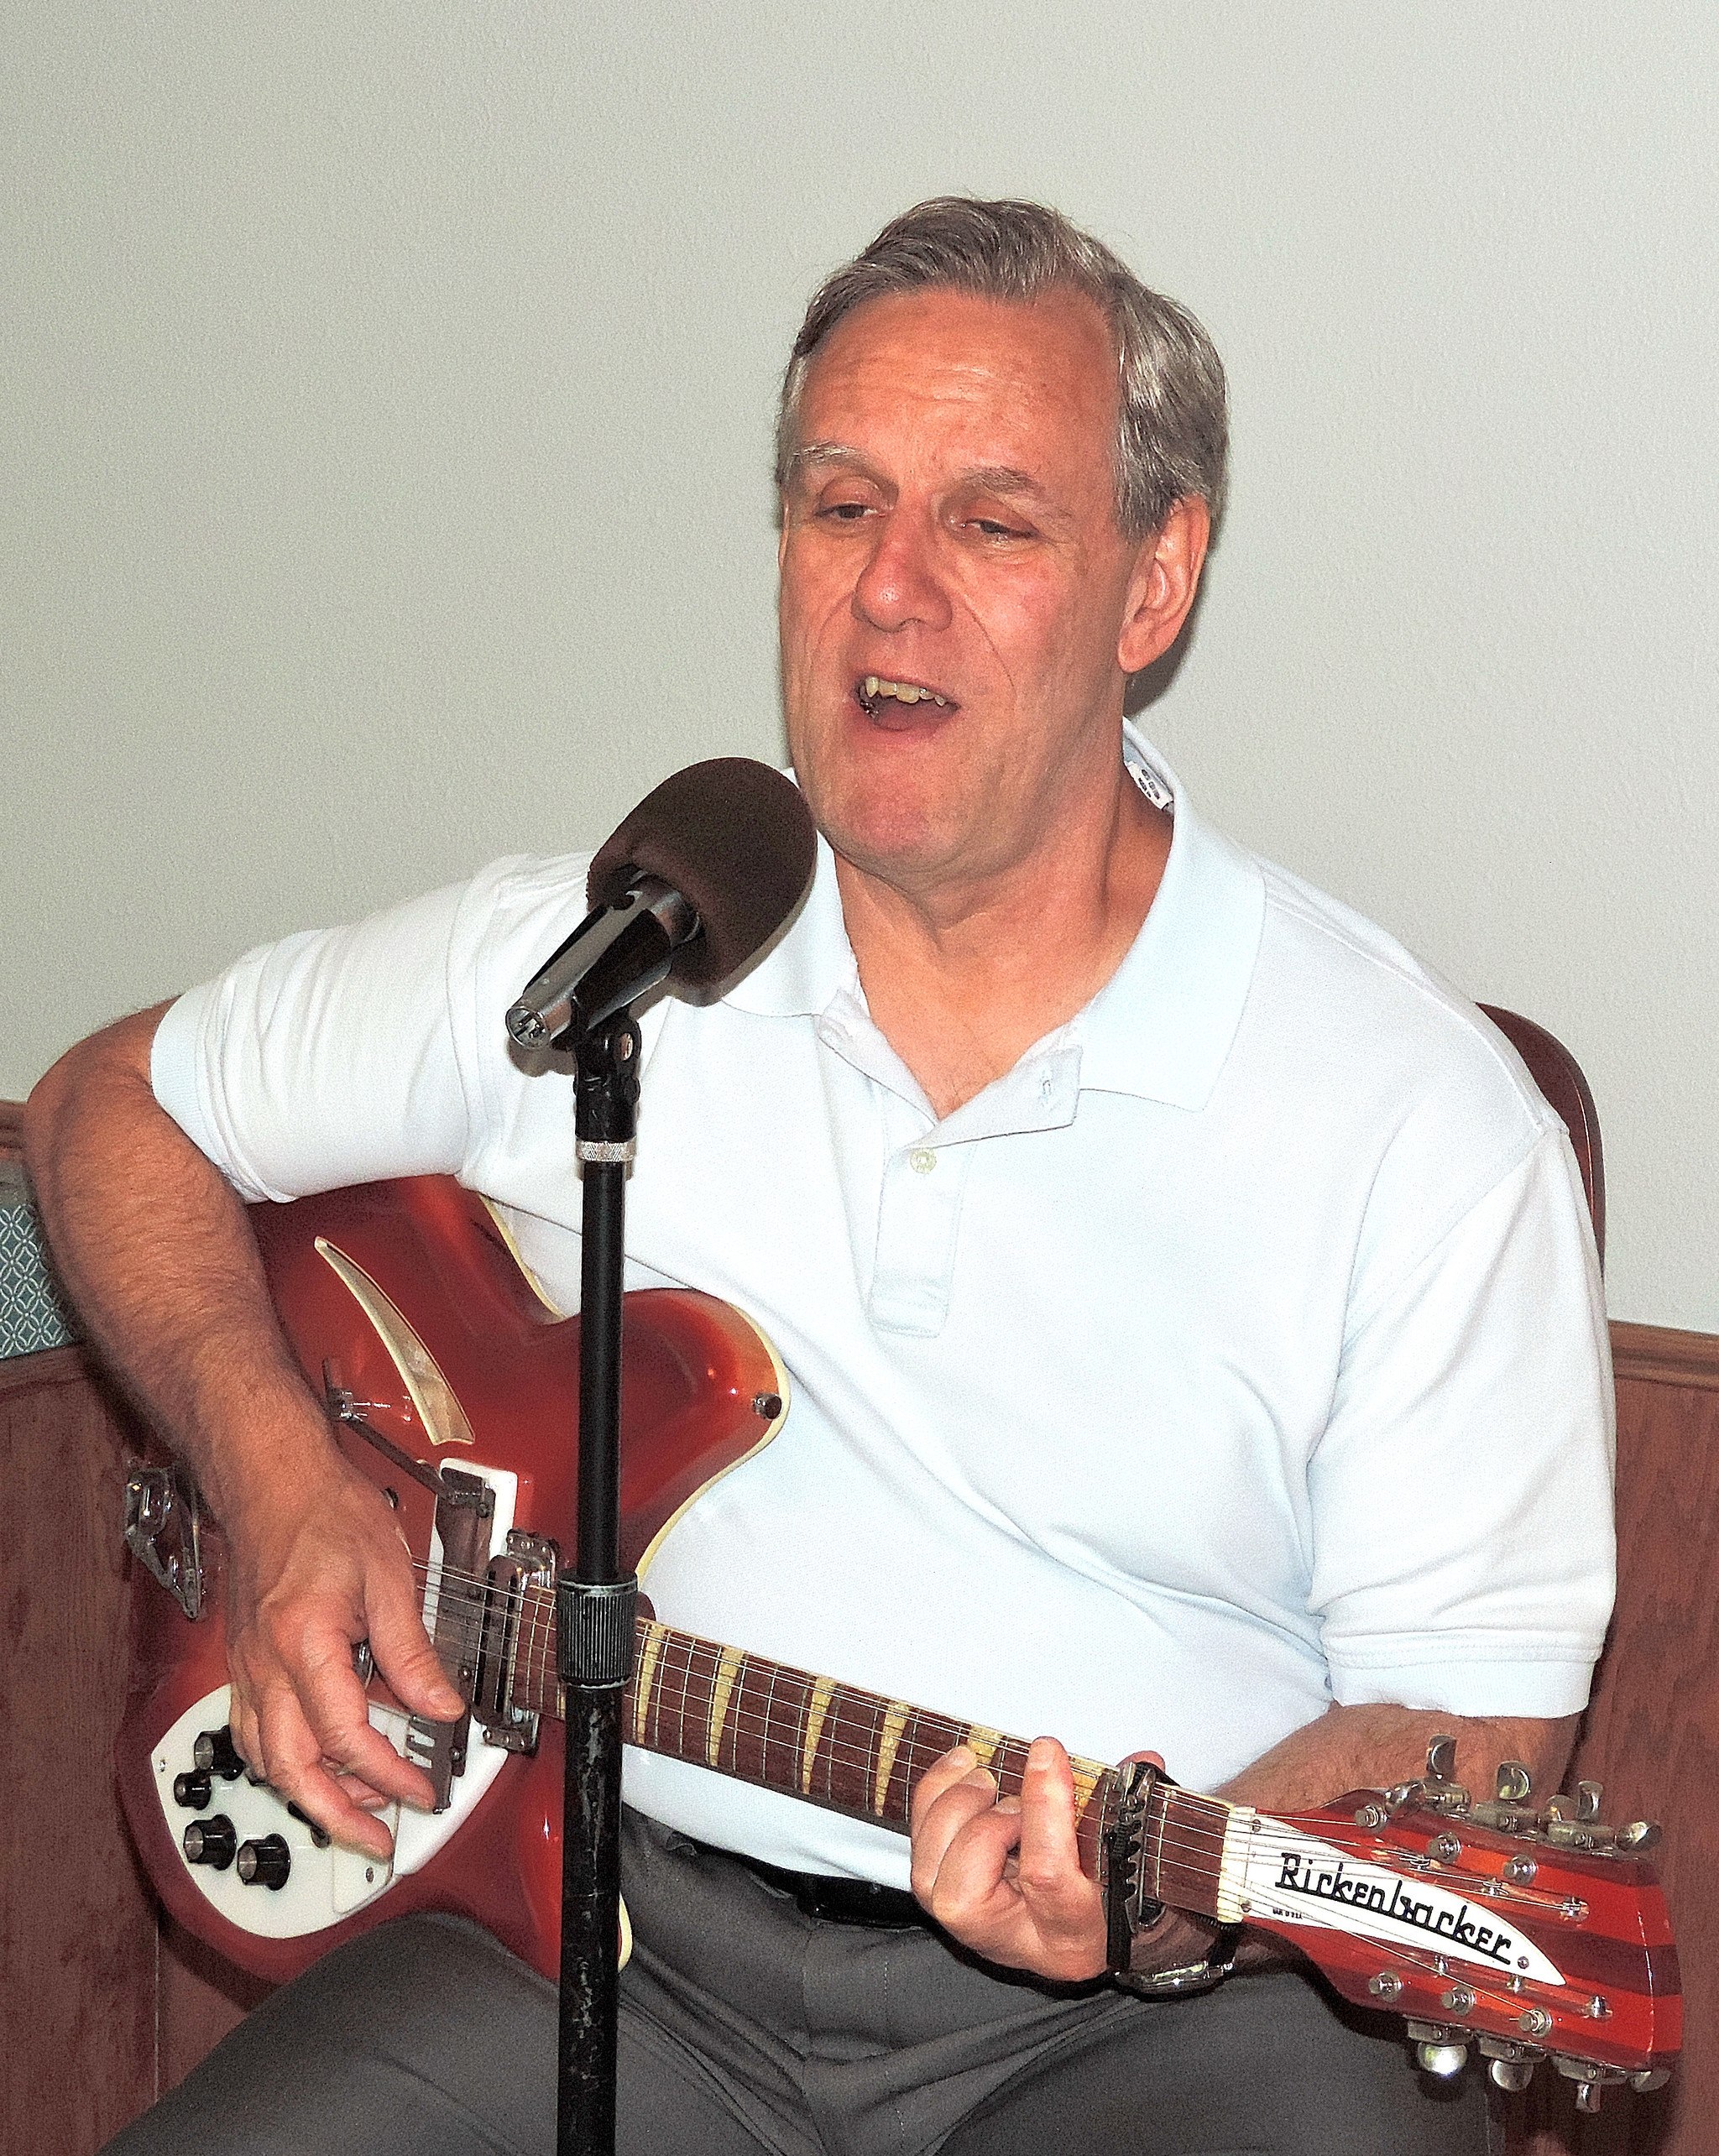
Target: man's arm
157, 1253
1003, 1876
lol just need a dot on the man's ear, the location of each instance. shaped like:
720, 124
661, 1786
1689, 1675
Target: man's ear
1166, 577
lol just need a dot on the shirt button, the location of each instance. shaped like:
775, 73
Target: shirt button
921, 1160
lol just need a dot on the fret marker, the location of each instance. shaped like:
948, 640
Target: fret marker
816, 1707
894, 1722
728, 1668
645, 1678
983, 1743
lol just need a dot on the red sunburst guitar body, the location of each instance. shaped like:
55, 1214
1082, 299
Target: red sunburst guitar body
701, 1391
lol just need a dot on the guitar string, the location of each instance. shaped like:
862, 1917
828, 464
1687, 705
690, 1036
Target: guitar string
702, 1658
1191, 1851
683, 1654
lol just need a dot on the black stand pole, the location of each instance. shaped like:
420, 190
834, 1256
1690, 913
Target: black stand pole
594, 1614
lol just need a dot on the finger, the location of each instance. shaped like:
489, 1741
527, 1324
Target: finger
970, 1893
945, 1773
355, 1786
297, 1773
337, 1712
242, 1720
1064, 1906
1050, 1854
946, 1799
403, 1655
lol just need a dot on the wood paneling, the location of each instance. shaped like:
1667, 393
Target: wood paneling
77, 1926
1651, 1733
1656, 1354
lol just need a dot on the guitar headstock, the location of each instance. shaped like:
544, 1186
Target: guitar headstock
1530, 1931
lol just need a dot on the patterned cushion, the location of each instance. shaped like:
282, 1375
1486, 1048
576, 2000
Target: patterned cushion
33, 1312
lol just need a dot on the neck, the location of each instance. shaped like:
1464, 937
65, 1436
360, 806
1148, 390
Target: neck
857, 1753
963, 973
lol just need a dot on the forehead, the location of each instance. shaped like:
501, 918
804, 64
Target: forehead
946, 377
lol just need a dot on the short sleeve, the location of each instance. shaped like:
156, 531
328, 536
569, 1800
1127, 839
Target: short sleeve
330, 1057
1462, 1491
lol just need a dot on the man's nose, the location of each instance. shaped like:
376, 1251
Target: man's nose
901, 583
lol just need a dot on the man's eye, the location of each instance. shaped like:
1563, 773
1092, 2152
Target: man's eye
845, 512
991, 527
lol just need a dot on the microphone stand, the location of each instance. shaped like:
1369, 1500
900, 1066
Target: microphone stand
594, 1606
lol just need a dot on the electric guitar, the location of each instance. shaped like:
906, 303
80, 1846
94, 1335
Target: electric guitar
1532, 1931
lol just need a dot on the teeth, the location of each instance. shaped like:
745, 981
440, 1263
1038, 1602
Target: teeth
902, 691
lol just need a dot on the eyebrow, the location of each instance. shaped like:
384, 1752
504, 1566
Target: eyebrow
992, 478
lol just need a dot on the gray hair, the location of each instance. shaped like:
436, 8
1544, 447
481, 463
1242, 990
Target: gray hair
1173, 422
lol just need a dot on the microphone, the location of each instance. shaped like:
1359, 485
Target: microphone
689, 889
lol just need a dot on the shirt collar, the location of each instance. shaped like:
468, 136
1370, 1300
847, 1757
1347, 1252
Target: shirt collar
1161, 1027
801, 975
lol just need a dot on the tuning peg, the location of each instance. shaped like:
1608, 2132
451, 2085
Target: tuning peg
1511, 2065
1590, 2079
1441, 1789
1515, 1787
1440, 2049
1587, 1802
1639, 1836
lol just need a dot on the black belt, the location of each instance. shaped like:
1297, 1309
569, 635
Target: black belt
838, 1901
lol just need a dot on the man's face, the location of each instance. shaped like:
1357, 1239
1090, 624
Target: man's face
950, 527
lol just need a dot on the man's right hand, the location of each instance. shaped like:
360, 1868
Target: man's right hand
315, 1568
161, 1263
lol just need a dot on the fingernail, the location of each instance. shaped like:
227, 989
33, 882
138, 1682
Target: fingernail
967, 1755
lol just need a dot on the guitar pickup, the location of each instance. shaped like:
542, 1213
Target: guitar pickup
519, 1620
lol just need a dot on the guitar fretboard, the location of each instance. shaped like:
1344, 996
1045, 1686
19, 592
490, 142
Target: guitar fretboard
849, 1750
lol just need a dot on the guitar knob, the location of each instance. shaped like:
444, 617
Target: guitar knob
192, 1791
210, 1841
215, 1752
265, 1863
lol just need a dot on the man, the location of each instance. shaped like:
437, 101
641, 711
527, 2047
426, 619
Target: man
1195, 1336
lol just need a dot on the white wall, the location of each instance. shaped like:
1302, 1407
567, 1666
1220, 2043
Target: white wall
384, 482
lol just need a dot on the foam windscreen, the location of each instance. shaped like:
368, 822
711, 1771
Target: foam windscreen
732, 836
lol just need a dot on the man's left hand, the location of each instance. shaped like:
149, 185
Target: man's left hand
1002, 1874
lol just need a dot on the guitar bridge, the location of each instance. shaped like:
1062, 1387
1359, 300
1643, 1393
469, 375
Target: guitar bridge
529, 1562
465, 1504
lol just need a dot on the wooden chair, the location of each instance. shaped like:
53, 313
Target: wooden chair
1652, 1725
1559, 1076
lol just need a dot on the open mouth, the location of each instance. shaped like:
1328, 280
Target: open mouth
874, 690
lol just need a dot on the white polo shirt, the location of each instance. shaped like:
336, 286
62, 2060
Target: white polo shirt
1240, 1350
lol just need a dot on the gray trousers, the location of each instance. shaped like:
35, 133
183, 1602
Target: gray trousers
747, 2026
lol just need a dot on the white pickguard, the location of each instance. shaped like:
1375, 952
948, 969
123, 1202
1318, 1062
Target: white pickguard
325, 1885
